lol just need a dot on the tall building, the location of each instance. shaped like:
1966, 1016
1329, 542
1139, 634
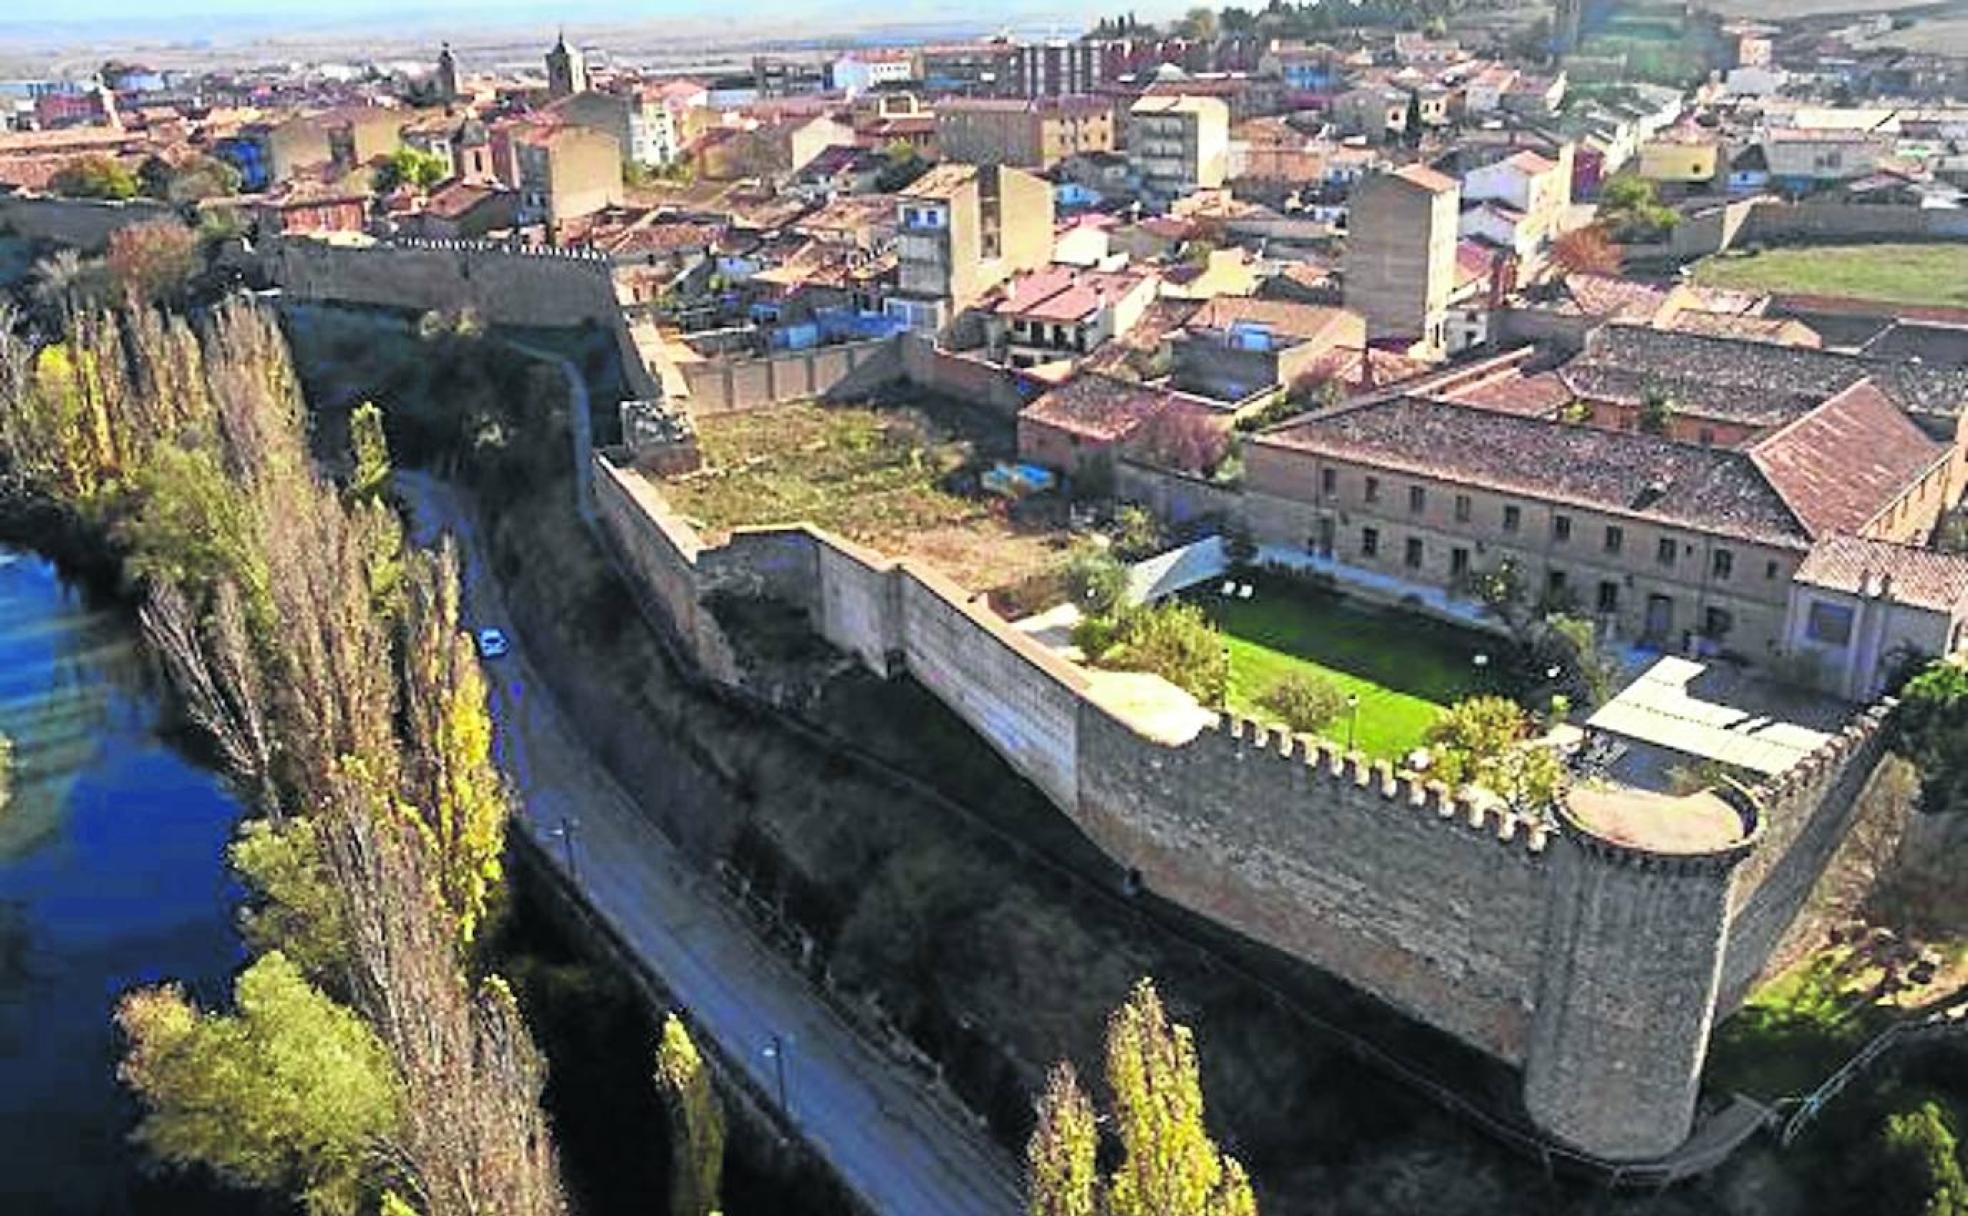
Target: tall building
1035, 133
567, 69
964, 230
447, 75
1178, 145
1401, 254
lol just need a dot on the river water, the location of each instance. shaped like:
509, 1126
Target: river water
111, 874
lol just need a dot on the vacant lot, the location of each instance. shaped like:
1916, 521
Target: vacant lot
1901, 274
1404, 668
901, 479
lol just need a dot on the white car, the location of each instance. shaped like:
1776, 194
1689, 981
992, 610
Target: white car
492, 643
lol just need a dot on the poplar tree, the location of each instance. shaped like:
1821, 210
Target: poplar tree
1060, 1158
696, 1123
1169, 1164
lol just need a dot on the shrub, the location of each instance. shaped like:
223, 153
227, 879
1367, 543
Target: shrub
1097, 581
1137, 534
1304, 701
1481, 741
1173, 640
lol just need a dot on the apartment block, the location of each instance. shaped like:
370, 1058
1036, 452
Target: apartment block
1029, 134
1178, 145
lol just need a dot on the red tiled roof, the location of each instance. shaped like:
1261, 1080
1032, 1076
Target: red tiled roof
1540, 395
1428, 179
1063, 293
1624, 472
1920, 577
1105, 410
1840, 465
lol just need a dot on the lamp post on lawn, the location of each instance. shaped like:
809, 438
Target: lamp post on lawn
1352, 719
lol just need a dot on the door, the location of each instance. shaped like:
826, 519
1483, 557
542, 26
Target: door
1660, 618
1326, 535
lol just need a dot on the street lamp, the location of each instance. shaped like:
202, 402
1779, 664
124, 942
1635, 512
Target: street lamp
775, 1051
1352, 718
565, 833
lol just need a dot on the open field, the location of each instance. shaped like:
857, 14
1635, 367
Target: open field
1404, 668
1901, 274
899, 479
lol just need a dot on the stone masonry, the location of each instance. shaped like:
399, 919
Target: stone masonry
1596, 965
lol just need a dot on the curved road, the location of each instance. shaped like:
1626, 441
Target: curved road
901, 1148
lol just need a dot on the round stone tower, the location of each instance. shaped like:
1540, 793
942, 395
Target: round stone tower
1635, 927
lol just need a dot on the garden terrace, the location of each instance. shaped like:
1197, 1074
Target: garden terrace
1404, 668
901, 479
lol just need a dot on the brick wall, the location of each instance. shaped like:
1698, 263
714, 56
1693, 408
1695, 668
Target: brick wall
503, 286
850, 370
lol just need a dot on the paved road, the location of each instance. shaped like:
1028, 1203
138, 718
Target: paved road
903, 1151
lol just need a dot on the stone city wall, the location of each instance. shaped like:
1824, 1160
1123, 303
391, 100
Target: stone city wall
1805, 815
86, 224
504, 285
1596, 966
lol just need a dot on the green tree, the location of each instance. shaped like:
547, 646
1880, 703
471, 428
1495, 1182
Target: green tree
1483, 741
369, 454
1304, 701
408, 166
458, 794
696, 1123
191, 526
1062, 1176
96, 176
6, 771
1930, 728
1169, 1165
1656, 410
290, 1089
1097, 581
1172, 639
1926, 1156
293, 907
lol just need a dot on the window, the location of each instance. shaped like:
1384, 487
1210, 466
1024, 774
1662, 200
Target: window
1328, 480
1513, 515
1706, 436
1770, 570
1458, 562
1554, 584
1413, 555
1462, 508
1369, 542
1722, 563
1417, 500
1609, 596
1373, 489
1615, 538
1829, 623
1665, 550
1561, 528
1716, 623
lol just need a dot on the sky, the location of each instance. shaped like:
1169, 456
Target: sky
197, 19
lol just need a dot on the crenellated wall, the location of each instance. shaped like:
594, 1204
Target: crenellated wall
1595, 965
1405, 888
1805, 814
504, 285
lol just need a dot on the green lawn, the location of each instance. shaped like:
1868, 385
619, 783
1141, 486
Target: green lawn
1403, 667
1901, 274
